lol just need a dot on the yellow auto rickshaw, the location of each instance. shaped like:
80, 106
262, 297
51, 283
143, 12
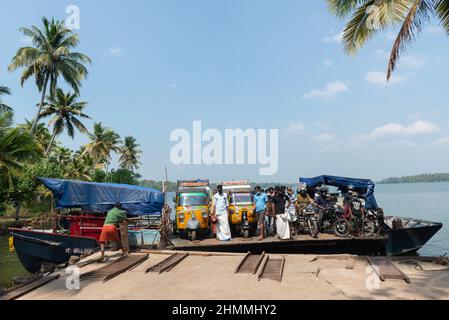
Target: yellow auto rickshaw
192, 203
242, 217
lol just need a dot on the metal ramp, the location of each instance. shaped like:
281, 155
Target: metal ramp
250, 263
28, 287
385, 269
272, 269
168, 264
116, 268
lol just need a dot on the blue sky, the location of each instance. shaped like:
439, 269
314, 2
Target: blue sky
160, 65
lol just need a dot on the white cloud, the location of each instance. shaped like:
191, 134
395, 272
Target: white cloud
380, 78
412, 61
441, 142
434, 30
324, 137
337, 38
296, 128
115, 50
328, 63
395, 129
390, 35
400, 144
330, 90
321, 125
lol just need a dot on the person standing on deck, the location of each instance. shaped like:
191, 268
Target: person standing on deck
280, 202
260, 208
270, 215
221, 211
292, 210
110, 229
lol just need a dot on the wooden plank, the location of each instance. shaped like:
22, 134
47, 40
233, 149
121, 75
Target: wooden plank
168, 264
116, 268
250, 264
273, 269
385, 269
23, 290
242, 262
124, 237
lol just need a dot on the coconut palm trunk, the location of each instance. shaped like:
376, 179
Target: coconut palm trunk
41, 105
50, 144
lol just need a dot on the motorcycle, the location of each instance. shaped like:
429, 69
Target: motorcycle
331, 222
364, 223
309, 220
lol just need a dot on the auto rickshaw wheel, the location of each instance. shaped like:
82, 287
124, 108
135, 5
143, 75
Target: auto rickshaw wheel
193, 235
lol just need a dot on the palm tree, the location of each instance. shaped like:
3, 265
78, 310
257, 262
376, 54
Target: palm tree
62, 156
4, 107
65, 110
41, 134
80, 168
130, 154
371, 16
103, 142
49, 58
16, 145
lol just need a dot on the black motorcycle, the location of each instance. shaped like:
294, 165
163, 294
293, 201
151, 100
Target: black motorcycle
309, 220
333, 222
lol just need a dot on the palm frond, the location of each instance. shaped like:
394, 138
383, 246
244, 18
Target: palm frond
419, 12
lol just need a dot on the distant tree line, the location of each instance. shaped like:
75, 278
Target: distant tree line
421, 178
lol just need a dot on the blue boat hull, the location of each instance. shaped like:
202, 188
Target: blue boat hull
36, 248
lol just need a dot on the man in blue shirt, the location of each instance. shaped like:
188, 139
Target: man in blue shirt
260, 208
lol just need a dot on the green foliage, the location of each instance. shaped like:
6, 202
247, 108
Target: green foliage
129, 154
65, 111
22, 185
369, 17
158, 185
422, 178
4, 107
123, 176
103, 142
50, 58
99, 176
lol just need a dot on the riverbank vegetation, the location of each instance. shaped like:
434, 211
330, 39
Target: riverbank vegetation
33, 149
421, 178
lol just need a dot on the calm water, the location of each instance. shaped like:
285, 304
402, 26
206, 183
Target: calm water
423, 201
427, 201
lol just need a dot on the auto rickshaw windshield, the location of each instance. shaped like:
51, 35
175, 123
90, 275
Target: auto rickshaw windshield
242, 198
190, 200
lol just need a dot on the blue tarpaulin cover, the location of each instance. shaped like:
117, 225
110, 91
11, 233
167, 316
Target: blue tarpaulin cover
363, 186
101, 197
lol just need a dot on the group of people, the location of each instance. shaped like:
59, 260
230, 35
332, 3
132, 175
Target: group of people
278, 209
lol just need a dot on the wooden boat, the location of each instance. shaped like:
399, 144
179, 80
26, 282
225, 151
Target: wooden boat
80, 232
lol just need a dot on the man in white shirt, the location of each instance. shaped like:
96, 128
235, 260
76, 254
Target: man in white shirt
221, 210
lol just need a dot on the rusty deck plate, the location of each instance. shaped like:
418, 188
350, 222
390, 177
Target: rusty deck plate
116, 268
168, 264
250, 263
385, 269
272, 269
